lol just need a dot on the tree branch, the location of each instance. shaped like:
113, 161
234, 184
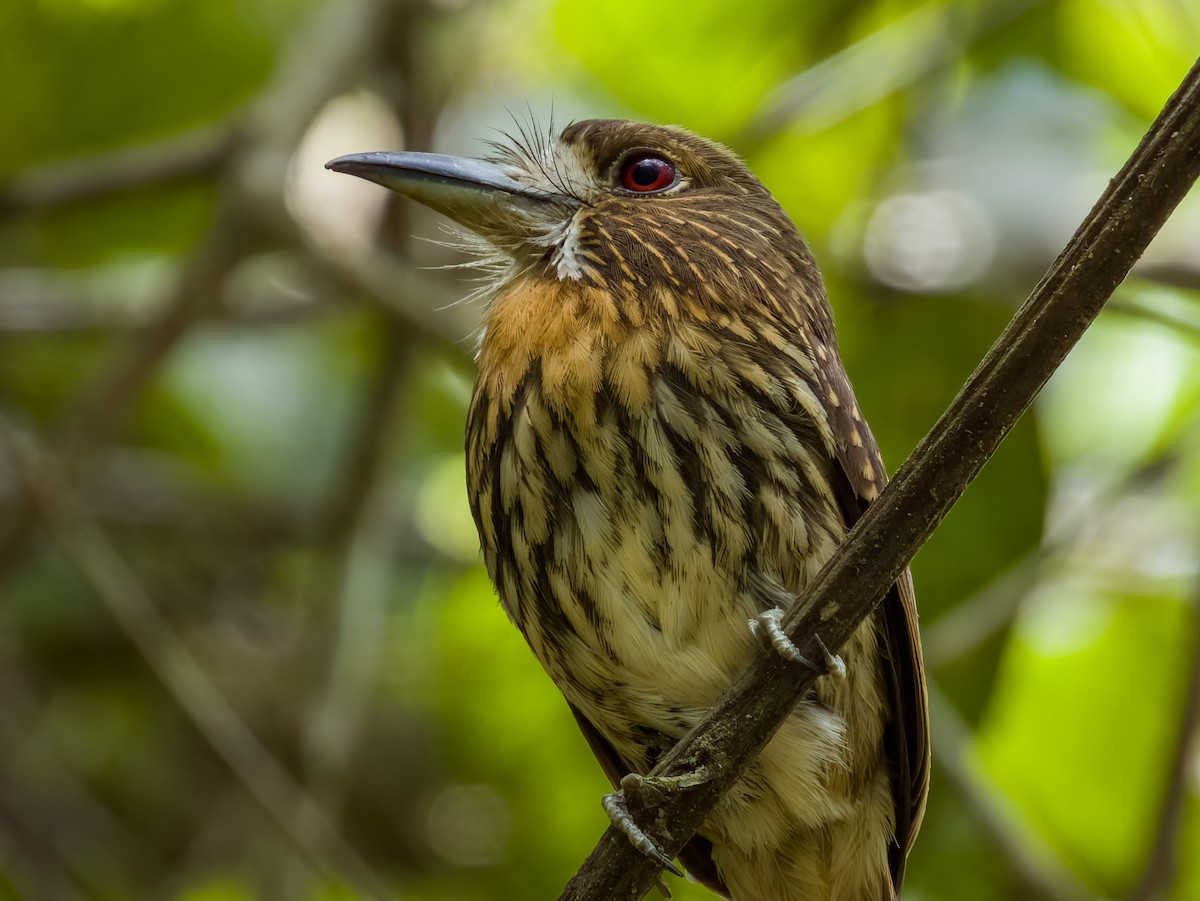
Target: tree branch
266, 781
1071, 294
194, 154
319, 66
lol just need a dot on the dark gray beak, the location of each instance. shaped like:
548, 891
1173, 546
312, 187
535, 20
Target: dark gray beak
475, 193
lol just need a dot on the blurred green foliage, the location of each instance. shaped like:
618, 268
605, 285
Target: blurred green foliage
257, 400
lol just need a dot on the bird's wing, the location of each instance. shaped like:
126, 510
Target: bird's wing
907, 736
696, 855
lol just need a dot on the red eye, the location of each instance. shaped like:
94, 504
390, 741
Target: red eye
645, 173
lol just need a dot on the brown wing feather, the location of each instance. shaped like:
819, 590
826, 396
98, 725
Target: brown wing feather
907, 734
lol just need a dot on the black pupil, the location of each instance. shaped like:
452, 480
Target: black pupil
646, 172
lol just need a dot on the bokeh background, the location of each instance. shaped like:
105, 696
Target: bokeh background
247, 649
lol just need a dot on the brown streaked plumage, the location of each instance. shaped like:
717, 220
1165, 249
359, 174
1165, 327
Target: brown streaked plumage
662, 443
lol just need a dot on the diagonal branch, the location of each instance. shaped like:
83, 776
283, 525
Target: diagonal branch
321, 63
1115, 233
266, 781
194, 154
877, 66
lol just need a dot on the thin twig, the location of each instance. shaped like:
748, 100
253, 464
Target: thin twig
195, 154
408, 293
973, 620
1174, 271
875, 67
1115, 233
49, 831
1162, 863
358, 573
1186, 327
352, 534
35, 866
266, 781
108, 398
317, 68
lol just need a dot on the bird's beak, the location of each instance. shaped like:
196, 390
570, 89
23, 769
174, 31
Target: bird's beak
474, 193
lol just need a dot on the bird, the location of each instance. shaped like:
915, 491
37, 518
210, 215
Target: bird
662, 449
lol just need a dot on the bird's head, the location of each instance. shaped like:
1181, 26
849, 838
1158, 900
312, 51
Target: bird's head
617, 205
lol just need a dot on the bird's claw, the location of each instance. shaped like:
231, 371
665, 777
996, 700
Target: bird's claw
618, 813
772, 632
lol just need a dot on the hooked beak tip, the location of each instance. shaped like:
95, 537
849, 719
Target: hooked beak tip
478, 194
357, 163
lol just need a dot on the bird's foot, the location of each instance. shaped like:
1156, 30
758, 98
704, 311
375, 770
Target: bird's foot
618, 813
772, 632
